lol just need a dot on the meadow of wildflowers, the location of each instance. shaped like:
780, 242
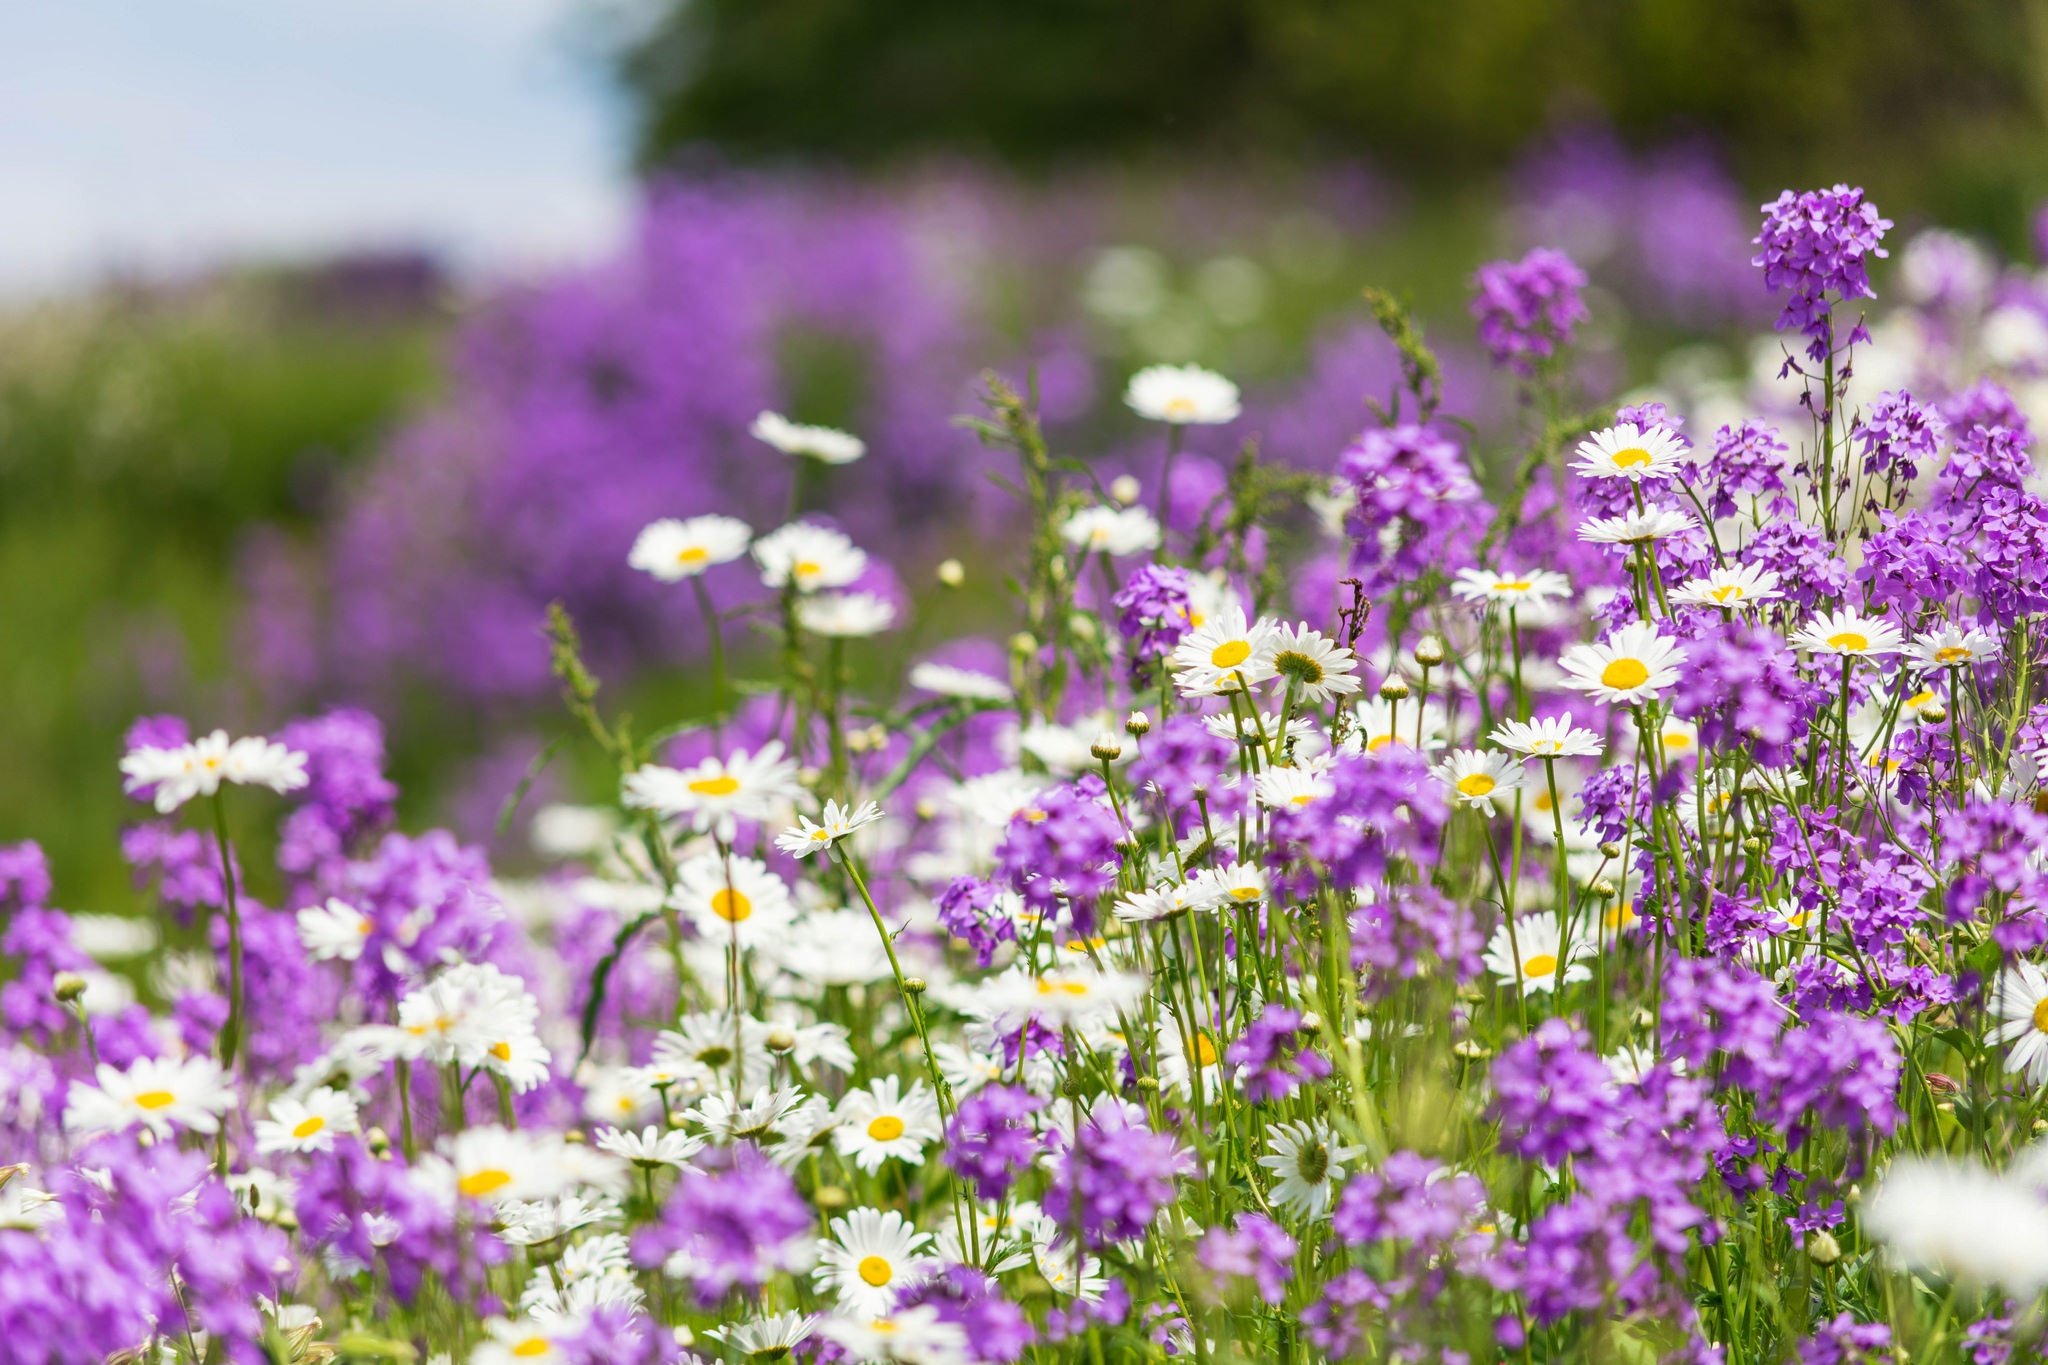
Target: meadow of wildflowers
1337, 916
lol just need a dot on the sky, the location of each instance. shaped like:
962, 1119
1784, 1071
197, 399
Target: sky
165, 136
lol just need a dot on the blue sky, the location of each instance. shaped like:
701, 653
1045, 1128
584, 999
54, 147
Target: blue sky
170, 134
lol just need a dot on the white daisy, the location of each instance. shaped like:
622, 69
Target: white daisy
1850, 634
871, 1255
846, 615
909, 1336
1544, 960
1509, 588
1224, 654
1115, 531
197, 769
1317, 667
824, 444
1959, 1220
808, 557
1477, 777
1678, 738
334, 930
881, 1122
1306, 1162
159, 1093
1955, 647
495, 1165
767, 1339
307, 1125
1630, 452
1656, 523
948, 681
2021, 1004
834, 824
1386, 724
719, 791
1633, 664
1290, 788
1079, 996
1550, 737
1237, 884
1737, 585
672, 549
1182, 395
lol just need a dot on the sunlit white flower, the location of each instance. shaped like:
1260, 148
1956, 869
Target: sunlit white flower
1543, 960
1678, 738
1291, 788
882, 1121
1959, 1220
700, 1048
1161, 902
769, 1338
2021, 1004
1182, 395
1115, 531
651, 1146
809, 557
468, 1014
185, 771
616, 1096
1384, 724
1078, 996
1237, 884
1955, 647
1735, 585
832, 825
1225, 654
824, 444
716, 793
908, 1336
334, 930
1549, 737
1509, 588
1307, 1162
672, 549
1315, 666
495, 1165
846, 615
1476, 777
1631, 665
160, 1093
23, 1207
1657, 523
114, 938
948, 681
307, 1125
526, 1341
1628, 451
871, 1255
1052, 1255
1850, 634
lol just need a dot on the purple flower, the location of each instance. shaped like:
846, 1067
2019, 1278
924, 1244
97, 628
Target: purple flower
964, 911
1256, 1249
729, 1228
989, 1141
1063, 849
1898, 434
1152, 614
1527, 309
1273, 1055
1416, 505
1552, 1095
1842, 1340
1815, 244
1114, 1176
997, 1330
367, 1212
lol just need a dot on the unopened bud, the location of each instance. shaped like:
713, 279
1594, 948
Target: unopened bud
1610, 850
1137, 725
1429, 651
1604, 889
1023, 643
1056, 568
378, 1141
927, 809
1149, 1084
1082, 627
1394, 689
914, 985
857, 741
1107, 748
831, 1197
878, 736
1934, 713
1822, 1248
1125, 489
1071, 1087
67, 986
779, 1041
952, 573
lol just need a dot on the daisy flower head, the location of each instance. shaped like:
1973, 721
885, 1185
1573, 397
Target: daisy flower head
834, 823
881, 1122
1544, 959
1678, 738
1509, 588
334, 930
1627, 451
871, 1255
178, 774
827, 445
1550, 737
1476, 777
964, 683
496, 1165
160, 1093
306, 1125
808, 557
1078, 996
1955, 647
2020, 1002
1291, 788
1307, 1162
768, 1338
717, 792
1634, 528
1731, 587
1114, 531
650, 1147
526, 1341
729, 898
1384, 724
1633, 664
1183, 395
1224, 654
908, 1336
1850, 634
846, 615
1959, 1220
1229, 887
672, 549
1315, 666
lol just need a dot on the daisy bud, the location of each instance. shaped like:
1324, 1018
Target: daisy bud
878, 736
857, 741
952, 573
1604, 889
913, 985
779, 1041
1610, 849
1137, 725
1394, 689
67, 986
1082, 627
1056, 568
1149, 1084
1125, 489
1311, 1020
830, 1197
378, 1141
575, 1137
1071, 1087
1471, 1049
1429, 651
1934, 713
1822, 1248
927, 809
1023, 643
1107, 748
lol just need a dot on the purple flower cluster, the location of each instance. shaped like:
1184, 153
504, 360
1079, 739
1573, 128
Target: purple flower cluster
1062, 850
990, 1138
730, 1228
1114, 1176
1528, 309
1816, 244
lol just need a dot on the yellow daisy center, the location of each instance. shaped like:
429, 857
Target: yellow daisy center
875, 1270
1205, 1050
725, 784
1244, 893
807, 568
1476, 784
1061, 988
1541, 801
1725, 592
1230, 653
887, 1128
1379, 742
2041, 1015
1848, 641
502, 1051
1677, 739
1302, 800
480, 1183
1631, 457
1512, 585
1180, 407
731, 906
1623, 674
692, 554
305, 1128
531, 1347
1543, 964
1951, 654
156, 1099
1620, 915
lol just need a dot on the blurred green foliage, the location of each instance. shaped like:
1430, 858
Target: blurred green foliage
140, 440
1931, 103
